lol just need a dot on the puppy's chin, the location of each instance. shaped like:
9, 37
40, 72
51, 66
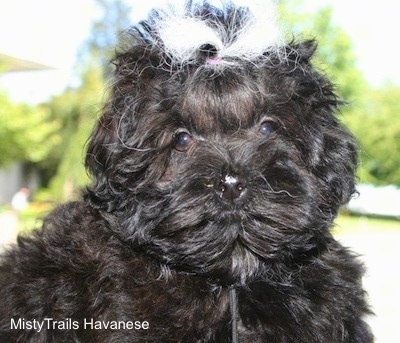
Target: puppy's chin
242, 267
231, 252
239, 267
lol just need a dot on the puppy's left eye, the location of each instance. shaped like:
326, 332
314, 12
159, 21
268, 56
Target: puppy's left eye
183, 141
267, 127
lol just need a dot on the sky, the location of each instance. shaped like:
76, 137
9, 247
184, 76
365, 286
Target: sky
50, 32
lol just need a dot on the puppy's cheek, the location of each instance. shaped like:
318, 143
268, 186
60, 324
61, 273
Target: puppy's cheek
173, 164
165, 179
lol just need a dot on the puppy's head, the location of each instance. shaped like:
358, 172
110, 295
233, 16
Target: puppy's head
216, 156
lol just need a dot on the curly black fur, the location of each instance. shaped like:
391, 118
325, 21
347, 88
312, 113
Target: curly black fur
157, 238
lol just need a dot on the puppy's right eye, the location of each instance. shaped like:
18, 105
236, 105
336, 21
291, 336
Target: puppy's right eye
267, 127
183, 141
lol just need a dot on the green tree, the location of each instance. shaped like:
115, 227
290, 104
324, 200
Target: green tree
83, 106
78, 108
371, 114
377, 127
335, 56
26, 133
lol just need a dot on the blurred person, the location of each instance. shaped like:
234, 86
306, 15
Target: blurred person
19, 201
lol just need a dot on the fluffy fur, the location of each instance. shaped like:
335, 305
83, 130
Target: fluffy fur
210, 173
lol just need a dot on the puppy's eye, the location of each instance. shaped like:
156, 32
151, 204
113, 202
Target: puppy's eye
183, 141
267, 127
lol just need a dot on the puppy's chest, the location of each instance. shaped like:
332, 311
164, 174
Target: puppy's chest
192, 314
247, 334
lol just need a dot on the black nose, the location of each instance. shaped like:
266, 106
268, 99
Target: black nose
231, 187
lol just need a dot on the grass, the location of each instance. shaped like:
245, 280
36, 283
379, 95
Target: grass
360, 224
32, 217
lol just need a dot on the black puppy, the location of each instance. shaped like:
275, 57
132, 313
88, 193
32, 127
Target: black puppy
218, 168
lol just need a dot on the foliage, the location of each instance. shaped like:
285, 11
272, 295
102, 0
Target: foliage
371, 113
26, 133
377, 127
78, 108
335, 55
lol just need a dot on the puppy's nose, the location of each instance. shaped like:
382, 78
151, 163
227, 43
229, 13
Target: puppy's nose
231, 187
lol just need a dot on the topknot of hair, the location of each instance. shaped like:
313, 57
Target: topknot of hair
207, 34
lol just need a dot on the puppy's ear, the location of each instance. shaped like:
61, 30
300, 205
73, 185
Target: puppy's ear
101, 148
116, 135
336, 166
332, 152
101, 143
302, 52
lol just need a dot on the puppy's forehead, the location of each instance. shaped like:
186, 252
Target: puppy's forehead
220, 103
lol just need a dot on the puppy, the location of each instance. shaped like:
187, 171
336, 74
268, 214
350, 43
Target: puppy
218, 169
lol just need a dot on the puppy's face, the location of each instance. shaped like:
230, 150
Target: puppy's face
223, 172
